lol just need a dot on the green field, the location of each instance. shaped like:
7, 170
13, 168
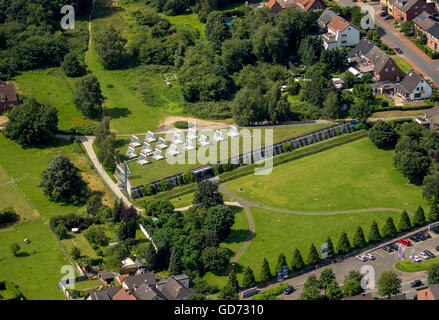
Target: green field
356, 175
277, 233
402, 64
158, 169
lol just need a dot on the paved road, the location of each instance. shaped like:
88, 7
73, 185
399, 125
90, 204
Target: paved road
421, 62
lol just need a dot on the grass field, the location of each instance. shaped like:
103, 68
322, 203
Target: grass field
277, 233
402, 64
158, 169
356, 175
78, 240
408, 266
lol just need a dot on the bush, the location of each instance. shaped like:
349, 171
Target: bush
272, 293
181, 125
8, 215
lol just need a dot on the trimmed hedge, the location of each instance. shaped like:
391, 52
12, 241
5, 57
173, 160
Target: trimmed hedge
401, 108
272, 293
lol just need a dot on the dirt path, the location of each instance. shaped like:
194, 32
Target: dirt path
168, 123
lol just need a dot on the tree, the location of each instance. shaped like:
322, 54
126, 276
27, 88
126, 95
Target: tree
326, 278
94, 204
233, 281
32, 123
175, 267
383, 135
404, 222
309, 50
297, 261
110, 47
389, 229
236, 53
214, 259
281, 262
150, 257
343, 245
269, 44
360, 111
228, 293
246, 106
389, 284
333, 291
412, 164
128, 214
433, 273
116, 210
311, 289
248, 280
430, 187
351, 288
71, 65
359, 240
363, 92
165, 185
61, 231
374, 233
354, 275
219, 219
75, 253
265, 274
102, 131
419, 218
106, 153
62, 182
330, 251
407, 28
207, 195
434, 212
88, 96
313, 255
331, 106
216, 28
15, 247
96, 234
349, 80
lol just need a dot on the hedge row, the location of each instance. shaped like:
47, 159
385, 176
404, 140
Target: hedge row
272, 293
401, 108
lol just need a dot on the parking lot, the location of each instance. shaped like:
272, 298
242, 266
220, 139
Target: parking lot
383, 261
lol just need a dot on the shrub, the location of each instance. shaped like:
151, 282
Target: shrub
181, 125
8, 215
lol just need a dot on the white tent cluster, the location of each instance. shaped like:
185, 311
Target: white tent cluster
158, 155
150, 137
131, 153
134, 142
161, 144
177, 139
188, 145
218, 136
233, 132
172, 150
146, 150
191, 134
203, 141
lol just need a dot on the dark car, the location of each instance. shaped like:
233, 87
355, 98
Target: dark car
415, 283
437, 248
394, 246
435, 230
387, 249
421, 236
426, 234
414, 238
429, 253
289, 290
398, 50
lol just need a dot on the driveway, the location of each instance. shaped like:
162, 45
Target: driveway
421, 62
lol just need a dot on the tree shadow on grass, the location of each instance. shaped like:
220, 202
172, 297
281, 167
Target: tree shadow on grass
238, 236
116, 113
22, 254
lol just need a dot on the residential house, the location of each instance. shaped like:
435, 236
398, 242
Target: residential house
136, 281
414, 87
371, 59
174, 290
104, 294
145, 292
430, 293
124, 294
310, 5
407, 10
8, 96
326, 17
105, 277
277, 6
341, 33
430, 26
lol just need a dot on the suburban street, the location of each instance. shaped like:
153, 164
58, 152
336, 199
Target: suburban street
421, 62
383, 261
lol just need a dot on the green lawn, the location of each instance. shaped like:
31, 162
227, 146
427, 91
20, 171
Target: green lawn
158, 169
277, 233
190, 19
408, 266
183, 201
402, 64
87, 285
356, 175
78, 240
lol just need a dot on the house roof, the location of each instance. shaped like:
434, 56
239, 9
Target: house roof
327, 16
122, 277
306, 4
410, 81
145, 292
124, 294
428, 24
378, 58
362, 48
140, 262
404, 5
138, 280
106, 275
282, 3
174, 290
105, 294
338, 24
7, 92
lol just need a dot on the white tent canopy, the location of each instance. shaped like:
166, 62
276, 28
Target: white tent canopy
233, 132
150, 137
147, 150
134, 142
203, 141
192, 134
218, 136
172, 150
158, 155
142, 159
161, 143
188, 145
131, 153
177, 138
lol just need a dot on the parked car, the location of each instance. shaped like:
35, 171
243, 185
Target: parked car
429, 253
421, 236
415, 259
423, 255
289, 290
437, 248
383, 13
414, 238
369, 256
398, 50
435, 230
404, 241
389, 249
426, 234
361, 258
394, 246
415, 283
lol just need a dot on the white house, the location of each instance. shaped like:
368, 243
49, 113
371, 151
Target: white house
414, 87
341, 33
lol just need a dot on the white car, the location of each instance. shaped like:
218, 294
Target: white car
369, 256
415, 259
423, 255
362, 258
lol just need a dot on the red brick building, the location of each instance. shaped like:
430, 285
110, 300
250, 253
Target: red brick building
407, 10
276, 6
8, 96
425, 23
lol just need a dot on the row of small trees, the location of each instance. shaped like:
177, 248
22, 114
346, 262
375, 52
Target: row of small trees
150, 189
